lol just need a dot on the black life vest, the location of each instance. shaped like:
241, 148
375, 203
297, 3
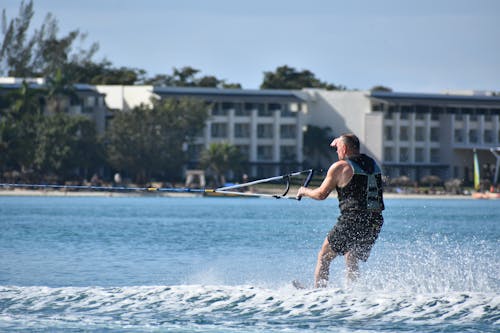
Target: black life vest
364, 191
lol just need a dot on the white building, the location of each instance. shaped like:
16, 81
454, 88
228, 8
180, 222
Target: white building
415, 134
266, 125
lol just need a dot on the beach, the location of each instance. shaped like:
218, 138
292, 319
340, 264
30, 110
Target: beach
79, 193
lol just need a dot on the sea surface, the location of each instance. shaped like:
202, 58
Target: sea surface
155, 264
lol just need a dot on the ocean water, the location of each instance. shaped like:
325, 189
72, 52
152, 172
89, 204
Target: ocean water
152, 264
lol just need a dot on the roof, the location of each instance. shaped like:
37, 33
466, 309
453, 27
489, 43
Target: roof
81, 87
230, 94
441, 99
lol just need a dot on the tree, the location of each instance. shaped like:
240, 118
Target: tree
60, 92
381, 88
103, 72
316, 145
20, 113
289, 78
148, 141
42, 53
221, 158
16, 51
59, 137
187, 77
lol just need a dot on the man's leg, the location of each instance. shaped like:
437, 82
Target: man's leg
351, 262
322, 271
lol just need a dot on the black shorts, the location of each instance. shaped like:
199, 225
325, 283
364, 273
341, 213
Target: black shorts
356, 232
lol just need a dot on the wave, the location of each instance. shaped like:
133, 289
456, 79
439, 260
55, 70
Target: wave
243, 308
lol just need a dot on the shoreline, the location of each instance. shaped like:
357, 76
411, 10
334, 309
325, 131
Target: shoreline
62, 193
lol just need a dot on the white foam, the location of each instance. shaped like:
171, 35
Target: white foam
240, 307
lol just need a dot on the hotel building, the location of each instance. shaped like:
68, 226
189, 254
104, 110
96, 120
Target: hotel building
413, 134
266, 125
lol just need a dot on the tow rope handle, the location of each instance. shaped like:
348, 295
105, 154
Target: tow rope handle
308, 180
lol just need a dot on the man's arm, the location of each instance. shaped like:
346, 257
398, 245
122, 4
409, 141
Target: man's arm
331, 181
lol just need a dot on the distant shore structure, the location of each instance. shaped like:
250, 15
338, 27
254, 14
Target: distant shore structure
409, 134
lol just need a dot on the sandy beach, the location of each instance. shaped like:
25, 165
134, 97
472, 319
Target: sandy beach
62, 193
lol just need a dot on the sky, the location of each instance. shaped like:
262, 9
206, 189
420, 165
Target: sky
409, 46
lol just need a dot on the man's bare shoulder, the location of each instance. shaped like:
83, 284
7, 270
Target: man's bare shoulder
341, 172
338, 166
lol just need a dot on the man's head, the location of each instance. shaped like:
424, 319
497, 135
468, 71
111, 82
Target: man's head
346, 145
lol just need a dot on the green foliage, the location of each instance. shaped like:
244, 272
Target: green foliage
220, 158
381, 88
104, 73
58, 142
42, 53
20, 114
148, 141
289, 78
187, 77
16, 49
40, 145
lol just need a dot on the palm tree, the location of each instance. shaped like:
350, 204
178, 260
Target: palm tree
220, 158
59, 90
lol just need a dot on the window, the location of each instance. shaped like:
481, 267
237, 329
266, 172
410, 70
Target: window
435, 134
434, 155
90, 101
288, 131
244, 150
388, 115
473, 136
219, 130
228, 106
436, 112
459, 135
405, 112
388, 133
288, 113
419, 134
420, 116
264, 153
287, 154
275, 107
419, 155
435, 116
265, 112
377, 107
241, 130
459, 117
388, 154
265, 131
404, 155
422, 109
249, 107
403, 133
488, 136
218, 111
467, 111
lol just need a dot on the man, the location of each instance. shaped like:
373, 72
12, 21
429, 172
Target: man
358, 181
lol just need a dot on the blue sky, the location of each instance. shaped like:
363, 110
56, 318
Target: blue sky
411, 46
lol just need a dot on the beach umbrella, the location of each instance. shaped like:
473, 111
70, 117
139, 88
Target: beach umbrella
431, 180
